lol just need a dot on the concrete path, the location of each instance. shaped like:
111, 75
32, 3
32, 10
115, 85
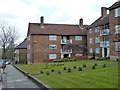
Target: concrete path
15, 79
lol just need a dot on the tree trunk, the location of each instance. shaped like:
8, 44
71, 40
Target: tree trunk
3, 66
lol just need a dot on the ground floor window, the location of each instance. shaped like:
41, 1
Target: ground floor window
117, 46
52, 56
78, 54
97, 50
91, 50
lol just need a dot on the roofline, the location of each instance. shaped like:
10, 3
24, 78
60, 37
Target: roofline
62, 34
20, 48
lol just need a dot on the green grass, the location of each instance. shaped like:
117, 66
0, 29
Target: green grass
98, 78
36, 68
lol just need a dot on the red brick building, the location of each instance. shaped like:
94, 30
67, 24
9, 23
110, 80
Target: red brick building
47, 40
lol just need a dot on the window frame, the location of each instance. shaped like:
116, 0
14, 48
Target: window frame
54, 56
51, 37
78, 38
53, 46
97, 50
90, 31
91, 50
90, 40
97, 39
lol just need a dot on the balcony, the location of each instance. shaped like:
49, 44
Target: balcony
104, 44
104, 32
66, 41
66, 51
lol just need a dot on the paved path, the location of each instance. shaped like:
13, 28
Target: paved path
15, 79
74, 69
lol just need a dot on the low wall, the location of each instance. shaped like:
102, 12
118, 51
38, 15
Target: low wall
81, 58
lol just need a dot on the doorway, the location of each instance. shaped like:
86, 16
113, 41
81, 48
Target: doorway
66, 55
105, 52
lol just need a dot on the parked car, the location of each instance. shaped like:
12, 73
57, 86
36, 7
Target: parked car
1, 62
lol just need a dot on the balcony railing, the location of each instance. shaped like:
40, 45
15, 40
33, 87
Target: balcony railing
104, 44
104, 32
66, 51
66, 41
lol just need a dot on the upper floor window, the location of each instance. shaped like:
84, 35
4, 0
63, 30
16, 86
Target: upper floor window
97, 40
52, 37
97, 50
91, 50
17, 51
28, 38
52, 56
117, 12
117, 46
90, 40
28, 47
117, 29
90, 31
96, 29
78, 37
52, 47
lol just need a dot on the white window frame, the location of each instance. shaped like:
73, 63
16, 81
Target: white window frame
78, 38
78, 55
97, 50
117, 12
28, 55
52, 56
52, 37
28, 38
90, 40
28, 47
52, 47
91, 50
117, 46
97, 40
117, 29
96, 30
90, 31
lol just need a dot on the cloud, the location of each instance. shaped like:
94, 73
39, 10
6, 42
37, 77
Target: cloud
21, 12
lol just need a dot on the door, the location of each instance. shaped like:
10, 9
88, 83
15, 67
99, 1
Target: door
105, 52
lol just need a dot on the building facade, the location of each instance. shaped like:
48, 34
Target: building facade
46, 41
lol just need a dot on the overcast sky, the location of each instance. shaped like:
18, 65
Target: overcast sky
21, 12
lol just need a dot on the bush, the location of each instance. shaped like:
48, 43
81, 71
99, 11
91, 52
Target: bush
52, 70
84, 65
66, 59
47, 73
74, 67
93, 67
100, 58
104, 65
95, 64
64, 68
41, 72
69, 70
59, 72
80, 69
55, 60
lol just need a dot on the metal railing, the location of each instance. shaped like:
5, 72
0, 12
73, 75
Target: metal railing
66, 51
66, 41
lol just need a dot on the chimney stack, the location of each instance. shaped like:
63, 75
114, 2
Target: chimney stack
81, 22
42, 19
103, 11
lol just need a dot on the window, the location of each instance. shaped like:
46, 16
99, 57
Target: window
52, 47
117, 12
28, 55
42, 26
90, 31
52, 56
117, 46
28, 38
78, 37
90, 40
78, 54
97, 50
96, 29
28, 47
97, 40
52, 37
17, 51
117, 29
91, 50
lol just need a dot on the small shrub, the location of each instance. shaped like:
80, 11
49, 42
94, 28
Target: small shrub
59, 72
47, 73
104, 65
95, 64
93, 67
64, 68
84, 65
69, 70
52, 70
41, 72
74, 67
80, 69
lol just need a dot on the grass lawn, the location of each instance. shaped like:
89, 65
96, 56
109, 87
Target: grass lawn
36, 68
89, 78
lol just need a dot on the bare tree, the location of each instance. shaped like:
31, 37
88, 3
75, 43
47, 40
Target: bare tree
75, 47
7, 37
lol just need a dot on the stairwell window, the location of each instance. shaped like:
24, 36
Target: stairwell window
117, 12
52, 37
52, 47
78, 37
90, 40
117, 46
